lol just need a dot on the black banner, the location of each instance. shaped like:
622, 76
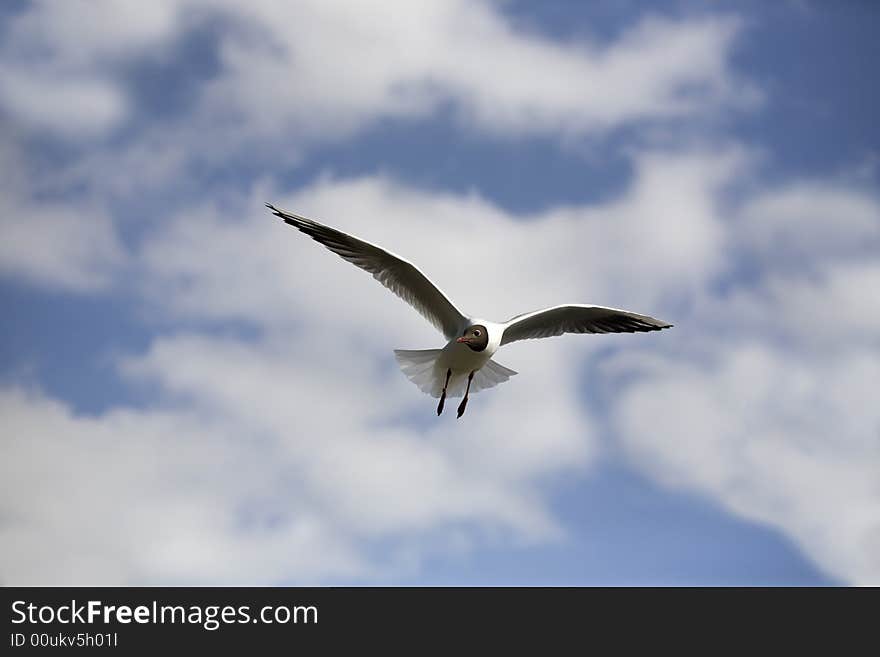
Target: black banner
150, 619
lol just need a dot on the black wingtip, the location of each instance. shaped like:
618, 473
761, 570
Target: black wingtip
275, 210
289, 218
285, 216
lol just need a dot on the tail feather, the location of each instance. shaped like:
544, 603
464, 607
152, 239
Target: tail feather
490, 375
420, 366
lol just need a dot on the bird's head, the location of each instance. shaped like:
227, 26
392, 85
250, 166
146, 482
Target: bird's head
476, 337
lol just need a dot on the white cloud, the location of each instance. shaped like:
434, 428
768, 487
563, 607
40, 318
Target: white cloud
71, 107
53, 246
365, 463
777, 438
768, 405
322, 70
267, 466
160, 497
69, 245
813, 247
826, 309
793, 224
292, 74
59, 61
329, 67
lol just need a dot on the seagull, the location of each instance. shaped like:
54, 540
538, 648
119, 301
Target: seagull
465, 364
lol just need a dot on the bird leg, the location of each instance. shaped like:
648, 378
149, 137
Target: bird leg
463, 403
443, 395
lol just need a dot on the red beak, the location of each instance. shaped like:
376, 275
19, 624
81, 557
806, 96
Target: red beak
463, 340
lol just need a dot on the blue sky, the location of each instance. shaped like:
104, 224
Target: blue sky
181, 403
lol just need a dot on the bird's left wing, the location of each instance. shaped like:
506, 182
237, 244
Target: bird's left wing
398, 275
577, 319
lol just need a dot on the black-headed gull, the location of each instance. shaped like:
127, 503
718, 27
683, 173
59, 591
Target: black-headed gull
465, 364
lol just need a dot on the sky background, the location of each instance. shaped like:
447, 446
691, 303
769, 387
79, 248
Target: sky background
193, 393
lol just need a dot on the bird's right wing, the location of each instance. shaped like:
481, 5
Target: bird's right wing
398, 275
577, 319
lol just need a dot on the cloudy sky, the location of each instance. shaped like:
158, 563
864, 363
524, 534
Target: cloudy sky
193, 393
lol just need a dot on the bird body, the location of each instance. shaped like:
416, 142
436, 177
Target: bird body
460, 359
427, 368
465, 364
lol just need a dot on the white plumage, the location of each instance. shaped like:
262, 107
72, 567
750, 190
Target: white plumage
425, 368
465, 364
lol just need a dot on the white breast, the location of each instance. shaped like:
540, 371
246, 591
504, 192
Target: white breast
459, 357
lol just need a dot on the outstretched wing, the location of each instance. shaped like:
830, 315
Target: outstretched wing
398, 275
577, 319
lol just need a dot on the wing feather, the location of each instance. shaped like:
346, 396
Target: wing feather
398, 275
577, 319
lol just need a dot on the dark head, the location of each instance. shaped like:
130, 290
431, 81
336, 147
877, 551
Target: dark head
476, 337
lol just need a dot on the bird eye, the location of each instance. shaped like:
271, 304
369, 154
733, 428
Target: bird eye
477, 332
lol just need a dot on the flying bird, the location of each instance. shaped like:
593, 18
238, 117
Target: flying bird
465, 364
